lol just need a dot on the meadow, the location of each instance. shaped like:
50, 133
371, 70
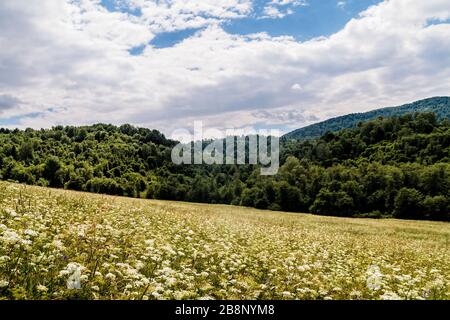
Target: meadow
57, 244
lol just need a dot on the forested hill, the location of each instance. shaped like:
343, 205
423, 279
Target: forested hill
394, 167
438, 105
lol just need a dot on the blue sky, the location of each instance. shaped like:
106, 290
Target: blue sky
241, 64
317, 18
313, 19
169, 39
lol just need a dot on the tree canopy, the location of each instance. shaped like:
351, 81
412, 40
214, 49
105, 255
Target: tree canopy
393, 167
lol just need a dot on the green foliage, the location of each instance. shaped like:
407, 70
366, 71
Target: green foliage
438, 105
398, 166
408, 203
104, 185
332, 203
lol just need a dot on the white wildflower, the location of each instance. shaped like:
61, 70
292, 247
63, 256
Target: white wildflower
3, 283
110, 276
149, 242
57, 244
374, 278
31, 233
74, 271
12, 213
10, 237
84, 278
41, 288
390, 296
4, 259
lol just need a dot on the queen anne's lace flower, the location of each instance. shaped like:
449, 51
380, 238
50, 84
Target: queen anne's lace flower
4, 283
374, 278
96, 247
41, 288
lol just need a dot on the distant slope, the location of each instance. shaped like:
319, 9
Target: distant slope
438, 105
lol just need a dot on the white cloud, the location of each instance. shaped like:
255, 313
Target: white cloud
277, 9
296, 87
289, 2
341, 4
273, 12
171, 15
72, 57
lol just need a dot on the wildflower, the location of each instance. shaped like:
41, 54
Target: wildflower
11, 237
4, 283
374, 278
139, 265
74, 281
231, 258
390, 296
84, 278
63, 273
149, 242
355, 293
41, 288
30, 233
12, 213
110, 276
73, 270
57, 244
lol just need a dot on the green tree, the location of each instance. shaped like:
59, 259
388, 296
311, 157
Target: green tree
408, 203
52, 172
26, 151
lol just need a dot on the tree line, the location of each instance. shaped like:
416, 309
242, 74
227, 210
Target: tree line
388, 167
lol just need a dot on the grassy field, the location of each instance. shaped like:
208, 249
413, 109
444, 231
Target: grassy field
57, 244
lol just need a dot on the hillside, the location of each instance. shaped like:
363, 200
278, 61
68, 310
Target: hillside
438, 105
394, 167
57, 244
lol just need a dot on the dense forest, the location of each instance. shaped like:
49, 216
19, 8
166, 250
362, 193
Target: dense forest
388, 167
438, 105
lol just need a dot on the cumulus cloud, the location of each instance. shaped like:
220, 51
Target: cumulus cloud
73, 56
172, 15
277, 9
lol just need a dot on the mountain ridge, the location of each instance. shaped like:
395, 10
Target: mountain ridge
438, 105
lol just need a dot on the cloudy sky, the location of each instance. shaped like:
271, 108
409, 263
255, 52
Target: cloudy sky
230, 63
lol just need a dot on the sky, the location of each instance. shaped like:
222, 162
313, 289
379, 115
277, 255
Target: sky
243, 64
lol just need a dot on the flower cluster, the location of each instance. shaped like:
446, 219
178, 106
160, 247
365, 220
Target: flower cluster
57, 244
